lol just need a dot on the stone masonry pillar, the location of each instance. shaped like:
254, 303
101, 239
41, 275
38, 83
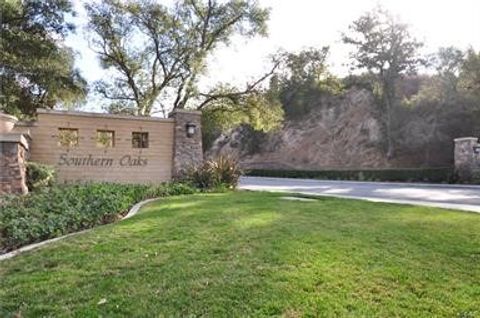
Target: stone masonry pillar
13, 157
467, 159
187, 141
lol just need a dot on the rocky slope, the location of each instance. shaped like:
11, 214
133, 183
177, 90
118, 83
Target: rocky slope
344, 132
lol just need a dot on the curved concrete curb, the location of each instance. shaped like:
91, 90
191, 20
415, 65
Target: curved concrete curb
134, 210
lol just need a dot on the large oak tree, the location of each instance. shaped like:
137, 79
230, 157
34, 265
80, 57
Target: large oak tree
36, 69
385, 48
156, 54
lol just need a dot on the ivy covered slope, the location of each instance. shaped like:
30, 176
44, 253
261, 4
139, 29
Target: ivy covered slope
55, 211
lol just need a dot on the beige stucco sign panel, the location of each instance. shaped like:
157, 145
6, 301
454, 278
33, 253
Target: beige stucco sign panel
87, 161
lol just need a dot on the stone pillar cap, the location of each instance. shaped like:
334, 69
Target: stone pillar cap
466, 139
15, 138
185, 111
7, 123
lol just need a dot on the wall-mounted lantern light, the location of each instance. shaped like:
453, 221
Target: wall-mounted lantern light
191, 129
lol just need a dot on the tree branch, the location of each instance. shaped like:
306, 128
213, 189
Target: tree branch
249, 89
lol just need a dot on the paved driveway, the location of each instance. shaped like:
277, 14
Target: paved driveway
459, 197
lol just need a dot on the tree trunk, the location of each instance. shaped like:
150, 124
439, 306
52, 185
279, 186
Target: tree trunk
389, 100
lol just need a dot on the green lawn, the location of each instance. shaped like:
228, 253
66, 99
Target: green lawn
254, 254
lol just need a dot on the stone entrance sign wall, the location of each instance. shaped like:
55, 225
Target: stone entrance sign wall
467, 159
100, 147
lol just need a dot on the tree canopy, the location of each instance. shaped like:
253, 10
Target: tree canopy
470, 74
156, 53
301, 80
36, 69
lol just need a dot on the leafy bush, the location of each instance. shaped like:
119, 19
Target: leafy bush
435, 175
39, 176
222, 172
56, 211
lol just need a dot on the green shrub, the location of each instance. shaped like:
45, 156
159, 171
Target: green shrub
434, 175
222, 172
55, 211
39, 176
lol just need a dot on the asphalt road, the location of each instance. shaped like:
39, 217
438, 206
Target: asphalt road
461, 197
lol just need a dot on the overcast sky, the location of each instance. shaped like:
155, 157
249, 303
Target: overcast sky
297, 24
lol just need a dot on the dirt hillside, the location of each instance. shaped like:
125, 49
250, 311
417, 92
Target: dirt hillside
344, 132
